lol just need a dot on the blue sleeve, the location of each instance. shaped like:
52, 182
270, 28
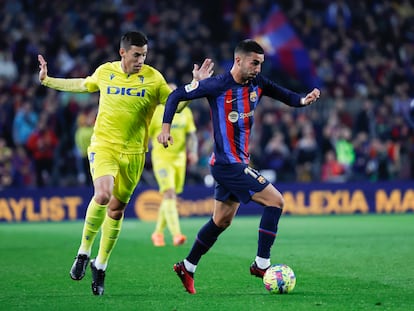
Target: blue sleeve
280, 93
171, 105
197, 89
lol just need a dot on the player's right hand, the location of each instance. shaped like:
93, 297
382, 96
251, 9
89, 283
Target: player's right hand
42, 67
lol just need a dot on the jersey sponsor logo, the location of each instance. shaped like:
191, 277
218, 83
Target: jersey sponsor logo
191, 86
127, 91
243, 115
234, 116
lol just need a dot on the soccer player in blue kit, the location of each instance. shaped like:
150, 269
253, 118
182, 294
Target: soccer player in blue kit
233, 97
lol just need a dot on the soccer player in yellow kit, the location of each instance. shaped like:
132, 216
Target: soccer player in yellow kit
129, 92
169, 166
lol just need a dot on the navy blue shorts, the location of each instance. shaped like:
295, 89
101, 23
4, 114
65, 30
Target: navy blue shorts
237, 182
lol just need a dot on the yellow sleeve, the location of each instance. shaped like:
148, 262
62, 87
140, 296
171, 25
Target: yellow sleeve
68, 85
77, 85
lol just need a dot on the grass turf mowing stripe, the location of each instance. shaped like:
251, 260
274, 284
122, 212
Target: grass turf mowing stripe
356, 262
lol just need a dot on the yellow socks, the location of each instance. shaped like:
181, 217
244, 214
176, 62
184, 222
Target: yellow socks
169, 207
111, 229
161, 221
95, 215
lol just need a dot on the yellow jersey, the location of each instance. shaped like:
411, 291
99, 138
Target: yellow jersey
126, 104
182, 125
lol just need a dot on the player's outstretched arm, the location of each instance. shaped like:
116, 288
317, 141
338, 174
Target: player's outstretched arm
69, 85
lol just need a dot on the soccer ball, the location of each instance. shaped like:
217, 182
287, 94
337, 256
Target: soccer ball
279, 279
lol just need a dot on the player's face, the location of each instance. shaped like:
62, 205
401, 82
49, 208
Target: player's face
133, 59
251, 65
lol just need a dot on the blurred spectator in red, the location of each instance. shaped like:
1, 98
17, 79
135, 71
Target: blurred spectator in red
332, 170
41, 144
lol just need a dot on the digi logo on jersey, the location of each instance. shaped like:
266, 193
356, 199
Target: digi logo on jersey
128, 91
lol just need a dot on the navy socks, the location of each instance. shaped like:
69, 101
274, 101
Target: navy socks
268, 230
206, 237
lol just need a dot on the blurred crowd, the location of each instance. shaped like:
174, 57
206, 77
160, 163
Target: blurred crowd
362, 52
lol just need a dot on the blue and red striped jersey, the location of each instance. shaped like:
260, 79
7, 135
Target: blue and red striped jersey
232, 108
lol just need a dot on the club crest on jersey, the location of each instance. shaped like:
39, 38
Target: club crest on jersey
233, 116
253, 96
141, 78
191, 86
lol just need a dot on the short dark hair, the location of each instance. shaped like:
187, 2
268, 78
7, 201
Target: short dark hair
133, 38
248, 46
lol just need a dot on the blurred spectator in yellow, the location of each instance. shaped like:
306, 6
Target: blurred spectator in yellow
83, 134
6, 167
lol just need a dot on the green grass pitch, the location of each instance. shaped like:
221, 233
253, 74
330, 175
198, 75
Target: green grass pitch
355, 262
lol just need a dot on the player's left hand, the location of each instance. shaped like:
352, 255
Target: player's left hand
165, 138
312, 97
203, 72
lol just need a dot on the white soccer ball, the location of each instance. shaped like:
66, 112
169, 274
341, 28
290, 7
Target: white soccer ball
279, 279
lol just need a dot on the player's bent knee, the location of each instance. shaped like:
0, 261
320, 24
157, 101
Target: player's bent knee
279, 202
115, 214
222, 222
102, 197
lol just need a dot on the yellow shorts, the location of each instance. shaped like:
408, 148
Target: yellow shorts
169, 174
125, 168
